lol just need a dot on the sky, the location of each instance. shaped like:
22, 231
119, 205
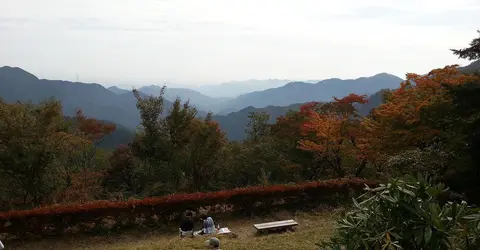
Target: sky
196, 42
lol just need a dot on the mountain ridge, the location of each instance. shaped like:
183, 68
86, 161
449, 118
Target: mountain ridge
95, 100
325, 90
103, 104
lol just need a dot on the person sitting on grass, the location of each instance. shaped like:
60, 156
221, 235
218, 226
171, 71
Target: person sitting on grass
186, 225
208, 224
213, 243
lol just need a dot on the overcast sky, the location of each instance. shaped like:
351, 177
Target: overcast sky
212, 41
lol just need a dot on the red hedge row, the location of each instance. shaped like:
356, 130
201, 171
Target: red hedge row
84, 217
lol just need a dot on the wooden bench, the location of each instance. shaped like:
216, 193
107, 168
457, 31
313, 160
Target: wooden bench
276, 225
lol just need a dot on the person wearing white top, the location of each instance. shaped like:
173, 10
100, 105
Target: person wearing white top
1, 245
208, 224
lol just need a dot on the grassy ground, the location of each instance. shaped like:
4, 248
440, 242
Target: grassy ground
312, 227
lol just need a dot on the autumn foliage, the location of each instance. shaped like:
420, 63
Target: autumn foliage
337, 132
416, 116
92, 129
60, 219
404, 120
54, 177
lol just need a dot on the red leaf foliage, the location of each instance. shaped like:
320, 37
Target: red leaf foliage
241, 199
351, 99
93, 128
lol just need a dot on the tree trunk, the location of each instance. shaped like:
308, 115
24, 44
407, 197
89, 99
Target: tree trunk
360, 168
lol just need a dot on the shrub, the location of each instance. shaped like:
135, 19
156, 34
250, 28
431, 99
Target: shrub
83, 217
407, 214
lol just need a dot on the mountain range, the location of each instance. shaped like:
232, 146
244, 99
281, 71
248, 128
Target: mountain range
233, 89
119, 106
95, 100
301, 92
290, 93
201, 101
234, 124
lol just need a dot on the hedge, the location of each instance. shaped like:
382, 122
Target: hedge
118, 214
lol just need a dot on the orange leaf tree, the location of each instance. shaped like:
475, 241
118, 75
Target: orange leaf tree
406, 120
337, 133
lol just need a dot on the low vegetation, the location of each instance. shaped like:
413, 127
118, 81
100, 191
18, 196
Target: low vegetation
407, 214
53, 175
112, 216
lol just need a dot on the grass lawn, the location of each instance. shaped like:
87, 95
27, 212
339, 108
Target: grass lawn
312, 227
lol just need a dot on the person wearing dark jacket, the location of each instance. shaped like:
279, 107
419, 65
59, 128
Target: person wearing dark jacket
186, 225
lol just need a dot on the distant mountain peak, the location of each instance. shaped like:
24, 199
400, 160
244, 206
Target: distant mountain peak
16, 72
300, 92
471, 68
294, 84
118, 90
152, 86
384, 74
13, 69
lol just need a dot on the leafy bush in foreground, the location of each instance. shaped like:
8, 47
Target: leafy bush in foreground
407, 214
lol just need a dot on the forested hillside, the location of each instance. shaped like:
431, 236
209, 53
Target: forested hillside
426, 120
96, 101
303, 153
119, 106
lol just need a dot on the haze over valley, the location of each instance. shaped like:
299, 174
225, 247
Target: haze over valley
118, 105
147, 124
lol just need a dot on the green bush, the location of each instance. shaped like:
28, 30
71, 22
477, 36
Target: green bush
406, 214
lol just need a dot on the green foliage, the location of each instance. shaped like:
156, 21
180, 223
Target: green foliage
406, 214
122, 176
27, 152
169, 153
40, 155
432, 160
470, 53
257, 127
428, 125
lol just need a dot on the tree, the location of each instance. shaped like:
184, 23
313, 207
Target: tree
286, 133
429, 125
337, 133
32, 139
178, 149
462, 121
94, 132
122, 176
470, 53
151, 144
405, 121
204, 162
257, 127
